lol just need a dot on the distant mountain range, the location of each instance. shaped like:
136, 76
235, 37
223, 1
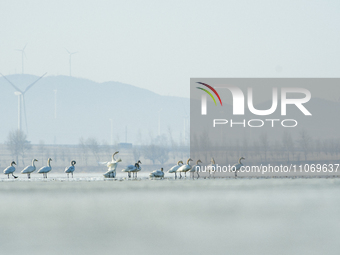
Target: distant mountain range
84, 109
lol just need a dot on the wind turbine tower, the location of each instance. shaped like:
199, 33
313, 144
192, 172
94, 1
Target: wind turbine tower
70, 53
111, 141
55, 103
21, 99
22, 58
17, 93
159, 122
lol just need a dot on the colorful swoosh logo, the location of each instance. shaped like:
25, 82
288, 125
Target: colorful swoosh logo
212, 89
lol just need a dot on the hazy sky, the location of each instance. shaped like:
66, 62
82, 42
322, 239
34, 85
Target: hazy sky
159, 45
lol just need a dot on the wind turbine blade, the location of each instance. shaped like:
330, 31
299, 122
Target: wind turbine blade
24, 47
34, 83
23, 102
11, 83
67, 51
74, 52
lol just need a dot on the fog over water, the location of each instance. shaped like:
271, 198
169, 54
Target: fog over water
248, 216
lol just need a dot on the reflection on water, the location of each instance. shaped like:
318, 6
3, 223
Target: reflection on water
221, 216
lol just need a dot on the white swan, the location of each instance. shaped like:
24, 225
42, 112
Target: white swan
175, 167
237, 167
112, 166
137, 169
212, 167
70, 169
184, 168
45, 169
195, 169
29, 169
133, 169
157, 174
10, 170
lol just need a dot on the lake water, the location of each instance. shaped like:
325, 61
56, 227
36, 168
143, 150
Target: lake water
88, 215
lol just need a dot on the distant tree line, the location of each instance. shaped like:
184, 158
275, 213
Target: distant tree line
89, 151
164, 149
283, 149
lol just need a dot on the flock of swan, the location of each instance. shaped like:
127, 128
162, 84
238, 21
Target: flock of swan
179, 168
44, 170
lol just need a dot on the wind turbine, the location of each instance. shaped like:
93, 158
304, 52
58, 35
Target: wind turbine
111, 131
159, 122
21, 99
70, 53
22, 57
185, 121
55, 103
185, 126
17, 93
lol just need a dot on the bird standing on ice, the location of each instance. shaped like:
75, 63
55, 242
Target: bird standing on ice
212, 167
70, 169
44, 170
112, 166
184, 168
157, 174
29, 169
175, 167
237, 167
10, 170
195, 169
133, 169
